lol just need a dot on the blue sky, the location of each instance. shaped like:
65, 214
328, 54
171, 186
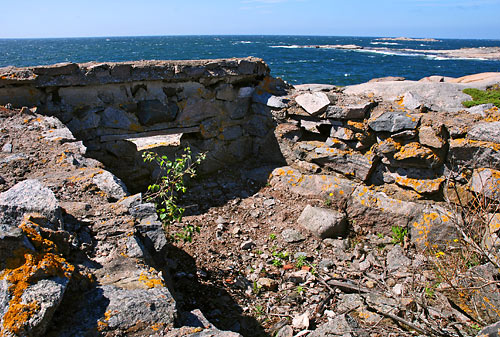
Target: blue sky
414, 18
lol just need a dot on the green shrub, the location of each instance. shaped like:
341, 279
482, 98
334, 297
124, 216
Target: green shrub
171, 183
482, 97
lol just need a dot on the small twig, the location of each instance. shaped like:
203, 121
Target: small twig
398, 319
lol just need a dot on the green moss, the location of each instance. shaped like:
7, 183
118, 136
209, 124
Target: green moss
482, 97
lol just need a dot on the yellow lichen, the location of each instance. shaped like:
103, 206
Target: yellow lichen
25, 268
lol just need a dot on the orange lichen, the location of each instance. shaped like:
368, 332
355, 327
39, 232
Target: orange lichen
25, 268
415, 150
151, 281
420, 185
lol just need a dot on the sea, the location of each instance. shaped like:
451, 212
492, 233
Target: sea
284, 54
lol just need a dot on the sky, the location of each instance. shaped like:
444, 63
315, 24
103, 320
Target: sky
91, 18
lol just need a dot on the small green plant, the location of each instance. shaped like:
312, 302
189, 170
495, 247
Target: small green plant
399, 234
277, 263
327, 202
429, 292
282, 255
300, 290
172, 182
301, 261
380, 235
482, 97
272, 236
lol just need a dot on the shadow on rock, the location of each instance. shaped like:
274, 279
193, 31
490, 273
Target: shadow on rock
196, 288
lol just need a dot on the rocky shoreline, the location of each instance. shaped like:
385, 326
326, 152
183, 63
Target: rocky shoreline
299, 238
483, 53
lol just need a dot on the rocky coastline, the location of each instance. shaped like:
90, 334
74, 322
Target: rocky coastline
483, 53
331, 222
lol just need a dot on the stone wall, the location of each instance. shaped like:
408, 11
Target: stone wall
215, 104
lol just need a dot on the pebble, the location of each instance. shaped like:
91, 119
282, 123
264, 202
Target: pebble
298, 276
247, 245
267, 284
290, 235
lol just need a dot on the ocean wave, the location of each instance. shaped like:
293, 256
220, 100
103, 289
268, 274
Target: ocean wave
293, 46
301, 61
385, 52
443, 58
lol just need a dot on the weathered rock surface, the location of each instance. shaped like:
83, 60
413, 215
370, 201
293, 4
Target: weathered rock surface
111, 185
486, 182
488, 132
29, 196
394, 122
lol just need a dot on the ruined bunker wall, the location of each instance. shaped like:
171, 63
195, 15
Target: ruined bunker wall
107, 104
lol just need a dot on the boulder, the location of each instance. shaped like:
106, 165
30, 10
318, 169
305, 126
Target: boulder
111, 185
28, 196
291, 235
342, 133
440, 96
322, 222
314, 103
393, 121
415, 155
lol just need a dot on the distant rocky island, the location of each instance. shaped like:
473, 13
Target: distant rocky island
408, 39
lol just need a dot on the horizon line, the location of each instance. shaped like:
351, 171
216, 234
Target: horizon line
228, 35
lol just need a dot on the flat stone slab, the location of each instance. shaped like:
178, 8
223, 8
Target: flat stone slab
313, 103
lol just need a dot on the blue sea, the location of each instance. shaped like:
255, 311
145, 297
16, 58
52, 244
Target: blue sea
283, 54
